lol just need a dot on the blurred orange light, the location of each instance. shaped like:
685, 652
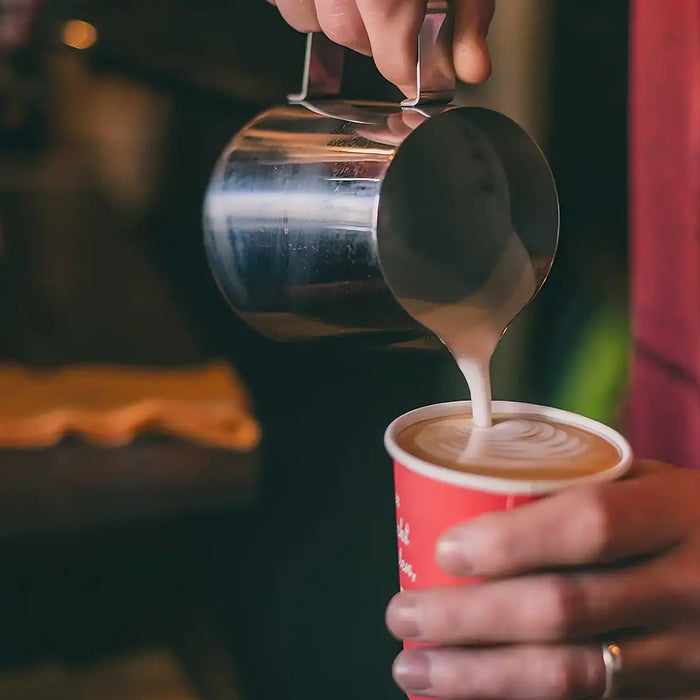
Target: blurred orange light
78, 34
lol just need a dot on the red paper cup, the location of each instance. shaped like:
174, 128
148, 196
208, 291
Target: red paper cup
431, 499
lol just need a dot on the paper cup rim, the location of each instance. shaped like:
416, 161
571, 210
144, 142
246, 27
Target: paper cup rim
500, 485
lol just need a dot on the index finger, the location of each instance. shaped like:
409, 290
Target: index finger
641, 515
393, 27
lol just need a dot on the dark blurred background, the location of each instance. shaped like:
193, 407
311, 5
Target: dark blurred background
112, 116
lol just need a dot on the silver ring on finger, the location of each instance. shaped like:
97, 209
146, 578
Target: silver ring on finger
612, 660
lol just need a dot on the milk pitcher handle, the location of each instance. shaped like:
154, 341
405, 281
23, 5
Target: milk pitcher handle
435, 81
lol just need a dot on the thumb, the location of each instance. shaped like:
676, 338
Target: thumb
470, 52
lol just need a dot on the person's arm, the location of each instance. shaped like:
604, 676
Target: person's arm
388, 31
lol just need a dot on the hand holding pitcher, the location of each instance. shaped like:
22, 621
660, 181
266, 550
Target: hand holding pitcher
388, 29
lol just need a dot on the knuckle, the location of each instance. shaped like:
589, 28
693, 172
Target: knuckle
594, 522
450, 681
299, 14
349, 34
691, 571
499, 547
441, 615
565, 605
559, 677
391, 10
338, 31
340, 22
678, 593
302, 25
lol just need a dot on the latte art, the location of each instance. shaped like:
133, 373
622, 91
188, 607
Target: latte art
524, 441
528, 447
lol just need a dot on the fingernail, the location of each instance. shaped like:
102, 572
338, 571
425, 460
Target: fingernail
412, 671
402, 616
452, 555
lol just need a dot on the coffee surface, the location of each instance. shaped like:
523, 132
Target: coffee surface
516, 447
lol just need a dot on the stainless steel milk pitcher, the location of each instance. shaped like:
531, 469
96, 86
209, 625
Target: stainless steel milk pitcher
323, 214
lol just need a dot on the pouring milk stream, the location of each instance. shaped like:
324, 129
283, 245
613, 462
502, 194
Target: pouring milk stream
471, 329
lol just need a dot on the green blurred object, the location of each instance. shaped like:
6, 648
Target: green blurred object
595, 381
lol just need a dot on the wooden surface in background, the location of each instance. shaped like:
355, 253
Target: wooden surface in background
76, 485
148, 675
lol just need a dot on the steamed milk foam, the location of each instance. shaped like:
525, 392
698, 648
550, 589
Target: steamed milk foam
521, 447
